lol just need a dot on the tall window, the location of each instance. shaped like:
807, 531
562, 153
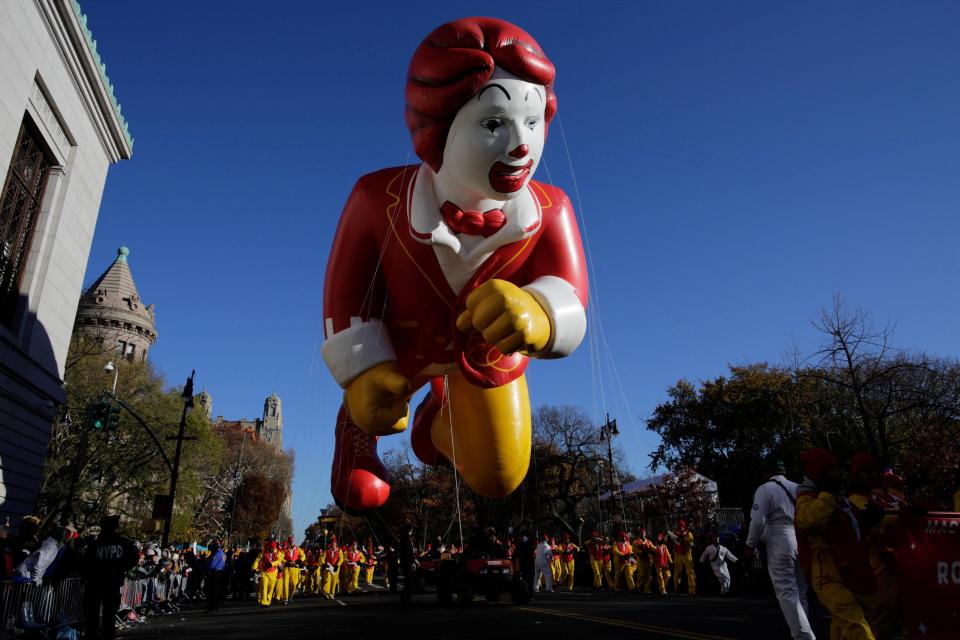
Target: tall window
19, 209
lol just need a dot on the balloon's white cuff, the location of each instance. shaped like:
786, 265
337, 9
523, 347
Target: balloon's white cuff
568, 320
356, 349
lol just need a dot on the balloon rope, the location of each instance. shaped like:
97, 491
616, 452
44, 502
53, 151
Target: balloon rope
592, 342
372, 530
600, 346
387, 525
453, 446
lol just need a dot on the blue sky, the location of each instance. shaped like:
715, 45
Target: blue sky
734, 165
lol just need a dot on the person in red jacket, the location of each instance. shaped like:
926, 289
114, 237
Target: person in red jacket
595, 552
661, 563
455, 272
569, 559
683, 559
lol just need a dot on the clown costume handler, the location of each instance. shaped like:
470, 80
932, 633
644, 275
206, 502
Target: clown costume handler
454, 272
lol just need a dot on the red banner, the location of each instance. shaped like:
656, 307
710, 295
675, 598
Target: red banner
928, 574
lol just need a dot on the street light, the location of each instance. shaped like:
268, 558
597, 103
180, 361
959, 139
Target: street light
112, 368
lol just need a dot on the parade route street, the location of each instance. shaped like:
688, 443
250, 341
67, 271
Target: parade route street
379, 615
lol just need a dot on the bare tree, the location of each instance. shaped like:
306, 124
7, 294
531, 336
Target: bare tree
882, 396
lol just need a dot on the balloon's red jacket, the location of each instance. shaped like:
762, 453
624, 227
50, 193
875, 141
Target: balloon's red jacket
397, 278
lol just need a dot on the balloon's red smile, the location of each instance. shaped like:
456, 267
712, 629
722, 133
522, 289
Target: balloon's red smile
507, 179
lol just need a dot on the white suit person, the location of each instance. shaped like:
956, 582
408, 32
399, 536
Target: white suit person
718, 555
771, 523
542, 557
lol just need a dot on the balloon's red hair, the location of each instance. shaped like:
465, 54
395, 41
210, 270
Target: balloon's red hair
453, 63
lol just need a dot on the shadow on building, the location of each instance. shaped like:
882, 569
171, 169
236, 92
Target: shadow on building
31, 394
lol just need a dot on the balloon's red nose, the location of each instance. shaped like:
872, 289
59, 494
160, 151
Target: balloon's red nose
520, 152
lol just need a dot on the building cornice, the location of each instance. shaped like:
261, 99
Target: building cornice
68, 25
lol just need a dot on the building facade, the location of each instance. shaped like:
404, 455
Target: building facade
267, 429
111, 312
60, 130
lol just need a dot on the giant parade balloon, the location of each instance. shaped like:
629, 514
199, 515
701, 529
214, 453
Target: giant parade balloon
454, 272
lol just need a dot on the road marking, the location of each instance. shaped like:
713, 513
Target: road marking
675, 633
340, 602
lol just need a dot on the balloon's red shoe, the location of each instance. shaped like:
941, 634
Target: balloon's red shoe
421, 440
359, 481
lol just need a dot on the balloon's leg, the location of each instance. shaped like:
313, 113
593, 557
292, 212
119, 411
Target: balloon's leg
490, 436
358, 480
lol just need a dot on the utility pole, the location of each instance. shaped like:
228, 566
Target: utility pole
607, 432
187, 396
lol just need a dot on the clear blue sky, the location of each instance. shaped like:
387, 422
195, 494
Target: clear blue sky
737, 163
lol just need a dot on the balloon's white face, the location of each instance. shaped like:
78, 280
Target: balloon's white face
496, 139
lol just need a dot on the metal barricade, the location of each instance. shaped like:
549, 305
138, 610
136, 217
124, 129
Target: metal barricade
26, 605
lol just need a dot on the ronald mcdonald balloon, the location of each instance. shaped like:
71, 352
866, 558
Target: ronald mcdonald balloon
454, 272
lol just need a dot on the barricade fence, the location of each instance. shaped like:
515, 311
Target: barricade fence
26, 605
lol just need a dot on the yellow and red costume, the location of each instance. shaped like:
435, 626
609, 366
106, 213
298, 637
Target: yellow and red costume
569, 558
369, 563
267, 564
833, 549
314, 578
292, 559
595, 553
661, 564
354, 563
683, 560
556, 563
643, 551
624, 564
332, 559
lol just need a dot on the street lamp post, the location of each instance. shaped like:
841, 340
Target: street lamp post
112, 368
187, 396
607, 432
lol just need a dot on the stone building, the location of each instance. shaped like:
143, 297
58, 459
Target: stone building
268, 428
60, 130
111, 311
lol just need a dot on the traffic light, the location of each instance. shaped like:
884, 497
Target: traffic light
113, 415
103, 415
98, 416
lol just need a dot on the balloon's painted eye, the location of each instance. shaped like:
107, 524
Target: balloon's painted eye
532, 123
492, 124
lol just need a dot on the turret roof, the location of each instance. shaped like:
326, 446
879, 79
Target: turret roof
115, 294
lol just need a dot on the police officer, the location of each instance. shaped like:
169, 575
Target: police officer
408, 564
107, 561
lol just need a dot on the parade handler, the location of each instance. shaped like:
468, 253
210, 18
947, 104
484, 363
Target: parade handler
683, 559
643, 551
267, 563
292, 559
454, 272
833, 550
717, 555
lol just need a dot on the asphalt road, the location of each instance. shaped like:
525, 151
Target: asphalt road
377, 614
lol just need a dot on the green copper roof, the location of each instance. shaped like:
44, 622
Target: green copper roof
103, 70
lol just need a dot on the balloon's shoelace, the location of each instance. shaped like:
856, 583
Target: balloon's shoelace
361, 442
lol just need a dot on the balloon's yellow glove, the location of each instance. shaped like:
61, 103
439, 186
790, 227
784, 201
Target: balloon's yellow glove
508, 317
378, 400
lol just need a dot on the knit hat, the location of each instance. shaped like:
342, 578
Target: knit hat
816, 462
